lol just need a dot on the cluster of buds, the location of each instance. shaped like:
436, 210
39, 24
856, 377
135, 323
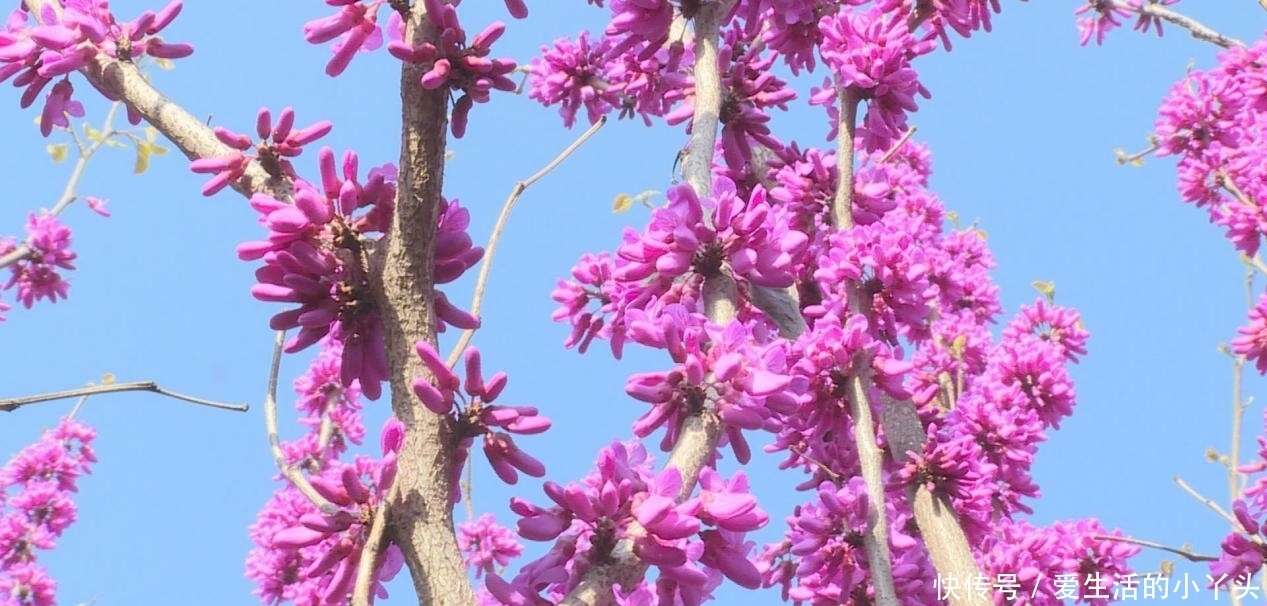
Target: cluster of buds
278, 143
478, 416
314, 257
453, 64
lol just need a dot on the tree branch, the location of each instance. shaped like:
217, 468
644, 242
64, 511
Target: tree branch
1199, 30
481, 282
12, 404
1179, 551
420, 519
1208, 502
367, 566
287, 470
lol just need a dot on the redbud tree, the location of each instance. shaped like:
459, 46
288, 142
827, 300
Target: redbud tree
814, 302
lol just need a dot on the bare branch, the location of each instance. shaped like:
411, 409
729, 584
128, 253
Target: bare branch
481, 282
1208, 502
11, 404
287, 470
897, 147
1179, 551
1198, 30
367, 566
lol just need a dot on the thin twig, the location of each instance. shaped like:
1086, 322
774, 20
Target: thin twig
78, 405
296, 477
24, 250
910, 132
367, 566
1198, 30
1124, 158
11, 404
1179, 551
1257, 264
1234, 476
481, 282
1208, 502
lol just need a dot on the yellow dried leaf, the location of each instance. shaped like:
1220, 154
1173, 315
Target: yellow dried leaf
146, 149
107, 378
622, 203
58, 152
1046, 288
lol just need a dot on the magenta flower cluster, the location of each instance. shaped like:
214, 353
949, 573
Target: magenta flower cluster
487, 547
986, 403
37, 487
36, 50
687, 241
314, 258
475, 416
624, 505
38, 275
1212, 123
278, 143
450, 62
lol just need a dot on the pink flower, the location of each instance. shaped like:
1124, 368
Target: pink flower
37, 277
97, 205
570, 74
478, 416
312, 258
455, 64
751, 237
486, 545
1097, 18
1252, 339
751, 88
278, 143
58, 107
27, 585
870, 52
622, 500
306, 556
354, 28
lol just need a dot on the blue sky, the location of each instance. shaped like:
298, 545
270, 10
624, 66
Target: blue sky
1022, 125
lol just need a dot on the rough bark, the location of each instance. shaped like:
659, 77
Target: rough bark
420, 520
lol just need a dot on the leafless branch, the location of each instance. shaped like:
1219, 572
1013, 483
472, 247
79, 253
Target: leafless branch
1208, 502
1198, 30
287, 470
1179, 551
11, 404
481, 282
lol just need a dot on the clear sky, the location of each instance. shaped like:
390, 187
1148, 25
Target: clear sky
1022, 125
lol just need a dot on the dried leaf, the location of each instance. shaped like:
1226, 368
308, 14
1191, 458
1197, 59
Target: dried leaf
1046, 288
622, 203
58, 152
